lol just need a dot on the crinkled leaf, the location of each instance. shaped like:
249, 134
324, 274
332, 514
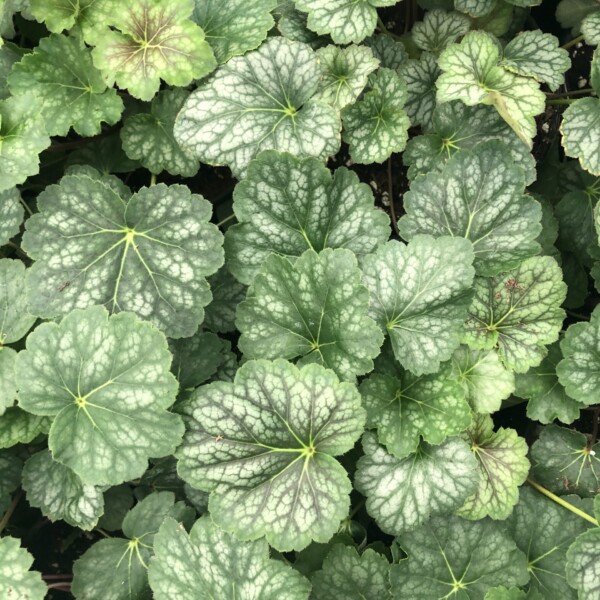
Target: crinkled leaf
420, 294
234, 27
11, 214
263, 100
16, 580
287, 205
479, 195
344, 21
292, 25
438, 29
347, 574
210, 563
518, 312
344, 73
106, 382
564, 462
390, 52
315, 309
456, 127
420, 77
503, 466
264, 447
377, 125
148, 253
15, 319
402, 494
475, 8
538, 55
153, 40
484, 378
590, 27
20, 427
71, 90
409, 408
449, 550
10, 467
148, 137
59, 493
581, 133
227, 293
583, 565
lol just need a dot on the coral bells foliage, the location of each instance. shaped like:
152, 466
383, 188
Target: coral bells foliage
299, 299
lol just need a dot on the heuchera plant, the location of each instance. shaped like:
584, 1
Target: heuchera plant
298, 299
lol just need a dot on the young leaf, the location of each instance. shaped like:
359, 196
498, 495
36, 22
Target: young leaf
15, 319
590, 27
543, 530
408, 408
390, 52
453, 557
484, 378
259, 101
583, 565
20, 427
548, 399
107, 384
227, 293
11, 214
402, 494
475, 8
264, 447
315, 309
346, 574
234, 27
292, 25
420, 77
287, 205
148, 253
71, 90
565, 463
503, 465
580, 130
16, 580
345, 72
148, 137
377, 125
344, 21
60, 494
538, 55
210, 563
152, 41
420, 294
479, 195
22, 137
438, 29
518, 312
117, 568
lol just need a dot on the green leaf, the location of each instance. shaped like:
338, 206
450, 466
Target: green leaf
118, 501
72, 92
18, 426
390, 52
583, 565
377, 125
107, 384
538, 55
402, 494
452, 557
577, 234
580, 130
548, 399
95, 244
10, 467
292, 25
148, 137
117, 568
9, 55
264, 447
518, 313
475, 8
210, 563
590, 27
315, 309
15, 319
263, 100
420, 294
347, 574
16, 580
513, 593
565, 463
543, 530
286, 205
152, 41
11, 214
408, 408
227, 293
420, 77
456, 127
570, 13
345, 72
479, 195
344, 21
104, 154
503, 465
60, 494
485, 380
22, 138
8, 385
438, 29
234, 27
